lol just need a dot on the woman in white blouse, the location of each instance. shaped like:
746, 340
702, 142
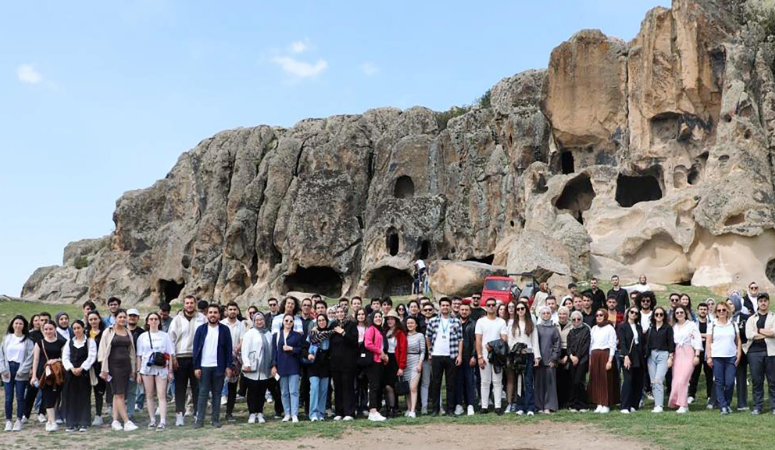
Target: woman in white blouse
154, 362
257, 366
15, 368
688, 345
78, 356
603, 389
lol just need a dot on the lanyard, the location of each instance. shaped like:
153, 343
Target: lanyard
444, 329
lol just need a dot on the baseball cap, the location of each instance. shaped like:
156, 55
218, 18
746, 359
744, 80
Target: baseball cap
133, 312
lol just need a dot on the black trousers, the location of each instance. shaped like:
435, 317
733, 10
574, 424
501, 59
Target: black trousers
362, 389
344, 393
183, 376
29, 401
376, 371
578, 392
632, 387
564, 387
231, 396
274, 389
695, 380
255, 391
762, 366
443, 366
304, 389
741, 381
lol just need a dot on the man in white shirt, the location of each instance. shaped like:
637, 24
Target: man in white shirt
489, 328
181, 332
237, 331
551, 302
444, 338
212, 363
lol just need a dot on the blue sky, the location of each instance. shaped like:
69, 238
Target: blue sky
97, 98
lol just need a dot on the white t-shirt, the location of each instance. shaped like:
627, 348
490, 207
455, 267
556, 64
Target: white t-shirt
149, 343
420, 264
490, 331
441, 345
210, 350
15, 349
237, 330
723, 345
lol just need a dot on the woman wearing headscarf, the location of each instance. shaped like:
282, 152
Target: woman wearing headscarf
78, 355
546, 370
578, 354
564, 384
316, 351
257, 366
603, 389
344, 355
63, 325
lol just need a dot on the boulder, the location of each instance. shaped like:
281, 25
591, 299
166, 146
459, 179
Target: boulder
460, 278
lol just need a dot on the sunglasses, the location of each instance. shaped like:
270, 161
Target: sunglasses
427, 310
722, 310
576, 319
679, 312
659, 315
490, 305
633, 312
599, 315
521, 309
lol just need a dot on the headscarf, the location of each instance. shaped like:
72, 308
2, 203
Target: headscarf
318, 335
580, 322
541, 321
737, 301
266, 346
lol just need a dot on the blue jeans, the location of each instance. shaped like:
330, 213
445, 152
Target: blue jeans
289, 386
318, 389
211, 382
657, 362
131, 397
19, 387
465, 387
526, 402
724, 376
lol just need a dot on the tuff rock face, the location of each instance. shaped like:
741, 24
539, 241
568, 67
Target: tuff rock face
653, 156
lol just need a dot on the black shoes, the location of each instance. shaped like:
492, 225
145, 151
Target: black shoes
499, 411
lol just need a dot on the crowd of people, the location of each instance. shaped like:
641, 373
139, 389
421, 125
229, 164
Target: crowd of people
586, 351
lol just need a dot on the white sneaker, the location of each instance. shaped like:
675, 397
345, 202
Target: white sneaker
8, 425
116, 426
261, 418
520, 412
411, 415
657, 409
470, 410
507, 409
458, 410
682, 410
376, 417
295, 419
17, 426
347, 419
598, 409
24, 420
287, 418
97, 422
129, 426
337, 418
313, 419
224, 400
690, 400
625, 411
632, 410
42, 418
605, 410
180, 419
252, 418
52, 427
530, 413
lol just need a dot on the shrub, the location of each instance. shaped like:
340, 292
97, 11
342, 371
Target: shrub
81, 262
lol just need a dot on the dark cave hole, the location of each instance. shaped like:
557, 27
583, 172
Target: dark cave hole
631, 190
425, 249
485, 260
566, 162
315, 280
404, 187
576, 196
388, 281
169, 290
391, 241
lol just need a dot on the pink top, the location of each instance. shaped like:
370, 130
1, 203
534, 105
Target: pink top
372, 340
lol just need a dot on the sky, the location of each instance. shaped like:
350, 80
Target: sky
98, 98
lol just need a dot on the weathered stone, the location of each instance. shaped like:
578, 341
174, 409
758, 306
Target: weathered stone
460, 278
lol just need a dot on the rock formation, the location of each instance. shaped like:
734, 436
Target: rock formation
653, 156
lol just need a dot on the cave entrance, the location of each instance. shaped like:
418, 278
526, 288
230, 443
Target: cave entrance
425, 249
769, 270
169, 290
315, 280
485, 260
566, 162
391, 241
388, 281
631, 190
576, 196
404, 187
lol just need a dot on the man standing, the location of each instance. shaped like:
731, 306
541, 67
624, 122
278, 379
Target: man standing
307, 322
456, 302
181, 332
445, 340
236, 331
273, 310
387, 305
622, 301
465, 387
587, 313
212, 348
489, 328
133, 318
164, 313
703, 323
114, 303
539, 299
760, 330
88, 306
578, 303
357, 303
551, 302
343, 302
597, 295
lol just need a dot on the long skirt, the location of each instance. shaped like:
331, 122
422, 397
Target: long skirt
545, 388
76, 400
683, 367
602, 388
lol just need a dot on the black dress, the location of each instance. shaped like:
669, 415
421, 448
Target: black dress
119, 363
76, 395
53, 350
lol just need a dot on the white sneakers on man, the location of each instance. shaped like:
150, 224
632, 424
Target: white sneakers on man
252, 418
376, 417
470, 410
97, 422
179, 419
682, 410
260, 418
295, 419
459, 410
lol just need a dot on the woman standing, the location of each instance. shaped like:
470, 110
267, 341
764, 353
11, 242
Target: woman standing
602, 389
401, 311
285, 356
396, 343
428, 312
660, 347
503, 312
154, 359
78, 355
686, 301
118, 356
374, 343
509, 375
94, 328
362, 365
578, 353
316, 350
47, 355
688, 345
523, 331
16, 357
415, 355
344, 356
257, 366
546, 370
564, 383
723, 349
631, 348
63, 325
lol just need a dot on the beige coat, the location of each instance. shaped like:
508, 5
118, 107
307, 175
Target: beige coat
750, 331
105, 346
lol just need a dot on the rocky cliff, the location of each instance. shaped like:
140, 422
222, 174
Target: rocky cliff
653, 156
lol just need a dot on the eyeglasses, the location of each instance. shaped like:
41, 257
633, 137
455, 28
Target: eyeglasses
576, 319
722, 310
599, 315
659, 315
521, 309
678, 312
427, 310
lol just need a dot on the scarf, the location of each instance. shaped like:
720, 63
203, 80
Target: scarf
317, 336
265, 365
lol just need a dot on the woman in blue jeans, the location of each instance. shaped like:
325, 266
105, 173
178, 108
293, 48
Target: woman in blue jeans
723, 351
15, 367
660, 347
286, 361
315, 351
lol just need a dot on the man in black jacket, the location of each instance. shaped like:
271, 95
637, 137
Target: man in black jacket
596, 294
622, 299
465, 389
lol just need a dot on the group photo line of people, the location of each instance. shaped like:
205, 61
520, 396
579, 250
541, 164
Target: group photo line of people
587, 351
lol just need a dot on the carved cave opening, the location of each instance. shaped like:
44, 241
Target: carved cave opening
631, 190
404, 187
567, 164
316, 279
388, 281
769, 270
425, 249
391, 241
488, 259
169, 290
576, 197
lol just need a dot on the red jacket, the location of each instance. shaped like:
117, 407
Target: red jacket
401, 349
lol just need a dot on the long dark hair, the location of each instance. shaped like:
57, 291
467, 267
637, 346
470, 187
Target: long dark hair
102, 324
529, 326
654, 316
25, 328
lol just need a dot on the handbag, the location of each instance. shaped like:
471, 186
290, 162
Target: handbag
157, 359
402, 386
53, 374
365, 357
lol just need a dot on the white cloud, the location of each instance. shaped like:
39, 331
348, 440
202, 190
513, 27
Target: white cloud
369, 69
300, 46
28, 74
300, 69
